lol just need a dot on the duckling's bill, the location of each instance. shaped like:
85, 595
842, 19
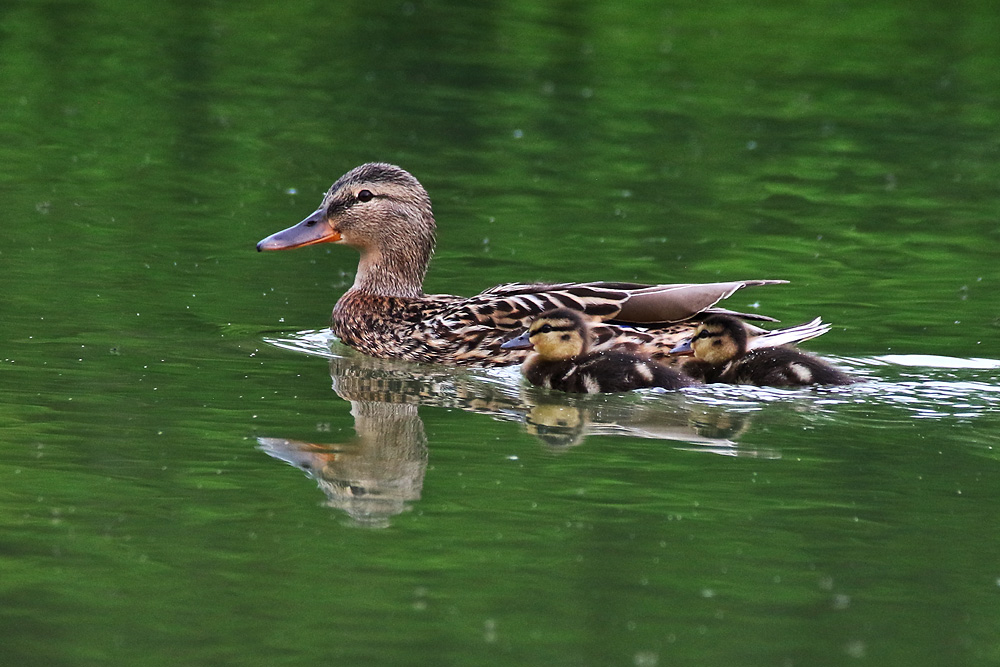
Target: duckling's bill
314, 229
522, 342
683, 348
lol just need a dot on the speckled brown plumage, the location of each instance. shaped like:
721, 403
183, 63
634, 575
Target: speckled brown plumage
385, 213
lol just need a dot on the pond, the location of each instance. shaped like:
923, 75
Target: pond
195, 471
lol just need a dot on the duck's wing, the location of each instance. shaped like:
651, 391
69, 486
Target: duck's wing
514, 305
611, 302
795, 334
666, 304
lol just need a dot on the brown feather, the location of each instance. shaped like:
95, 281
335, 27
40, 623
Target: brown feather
384, 212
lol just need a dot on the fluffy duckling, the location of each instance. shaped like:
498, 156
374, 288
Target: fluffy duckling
562, 359
724, 352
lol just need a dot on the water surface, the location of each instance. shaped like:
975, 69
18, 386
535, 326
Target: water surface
195, 473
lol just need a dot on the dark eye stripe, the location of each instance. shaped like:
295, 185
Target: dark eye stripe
548, 327
338, 206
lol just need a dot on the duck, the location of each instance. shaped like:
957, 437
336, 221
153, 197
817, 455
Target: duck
561, 359
382, 211
725, 351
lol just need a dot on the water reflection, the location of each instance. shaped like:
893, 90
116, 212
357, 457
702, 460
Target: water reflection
375, 476
561, 422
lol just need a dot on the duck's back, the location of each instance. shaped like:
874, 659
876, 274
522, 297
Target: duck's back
604, 372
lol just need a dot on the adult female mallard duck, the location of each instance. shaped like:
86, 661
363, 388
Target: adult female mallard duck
561, 359
724, 351
385, 213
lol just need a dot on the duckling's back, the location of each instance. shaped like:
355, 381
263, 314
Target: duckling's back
783, 367
604, 372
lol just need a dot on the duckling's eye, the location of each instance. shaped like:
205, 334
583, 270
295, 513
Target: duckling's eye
703, 334
545, 328
365, 196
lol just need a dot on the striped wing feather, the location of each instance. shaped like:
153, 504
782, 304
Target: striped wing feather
651, 319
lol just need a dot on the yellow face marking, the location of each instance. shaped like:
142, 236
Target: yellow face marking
714, 345
556, 339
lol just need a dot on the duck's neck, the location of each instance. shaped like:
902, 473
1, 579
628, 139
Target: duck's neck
396, 266
389, 277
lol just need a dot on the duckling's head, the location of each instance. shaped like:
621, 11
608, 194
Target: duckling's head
385, 213
556, 335
719, 339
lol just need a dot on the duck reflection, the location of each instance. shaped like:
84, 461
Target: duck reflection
380, 472
374, 477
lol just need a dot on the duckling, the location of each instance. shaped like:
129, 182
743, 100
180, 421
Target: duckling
724, 352
563, 359
385, 213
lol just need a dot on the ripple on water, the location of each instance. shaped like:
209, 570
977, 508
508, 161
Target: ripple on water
313, 342
925, 386
928, 386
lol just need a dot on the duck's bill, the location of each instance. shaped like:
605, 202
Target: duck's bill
519, 343
683, 348
312, 230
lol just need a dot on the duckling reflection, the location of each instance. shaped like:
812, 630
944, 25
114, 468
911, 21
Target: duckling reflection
564, 424
558, 425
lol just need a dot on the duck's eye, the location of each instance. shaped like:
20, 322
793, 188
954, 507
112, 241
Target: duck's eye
703, 334
365, 196
545, 328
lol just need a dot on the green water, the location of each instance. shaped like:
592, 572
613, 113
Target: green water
194, 473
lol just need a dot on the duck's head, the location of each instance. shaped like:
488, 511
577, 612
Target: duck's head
556, 335
382, 211
717, 340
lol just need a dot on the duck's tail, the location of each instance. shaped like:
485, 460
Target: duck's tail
795, 334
